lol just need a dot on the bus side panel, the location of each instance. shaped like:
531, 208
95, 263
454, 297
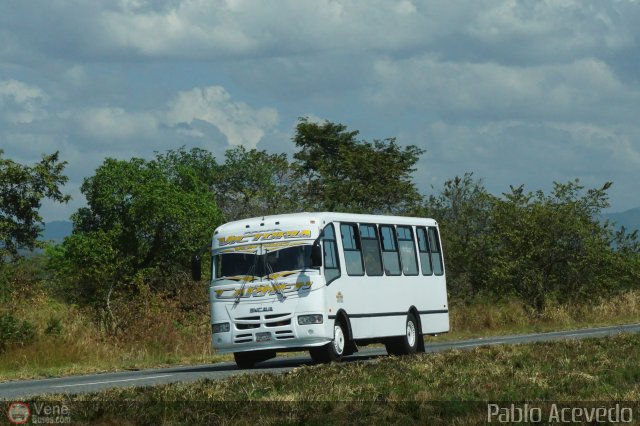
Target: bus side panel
371, 327
377, 306
434, 323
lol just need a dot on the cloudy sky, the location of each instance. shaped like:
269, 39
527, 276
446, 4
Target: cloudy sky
519, 92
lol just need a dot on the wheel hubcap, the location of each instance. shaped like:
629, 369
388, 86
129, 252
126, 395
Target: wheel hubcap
338, 340
411, 333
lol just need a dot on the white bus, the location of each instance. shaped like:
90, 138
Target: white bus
326, 282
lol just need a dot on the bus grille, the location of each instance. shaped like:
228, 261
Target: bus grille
247, 326
279, 323
284, 335
243, 338
250, 323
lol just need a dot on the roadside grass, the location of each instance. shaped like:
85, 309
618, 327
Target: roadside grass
68, 342
160, 334
451, 387
486, 317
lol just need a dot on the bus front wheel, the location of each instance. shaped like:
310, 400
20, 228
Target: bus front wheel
246, 360
331, 351
408, 343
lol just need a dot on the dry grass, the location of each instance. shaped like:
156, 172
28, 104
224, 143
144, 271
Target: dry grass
157, 336
159, 333
486, 318
446, 388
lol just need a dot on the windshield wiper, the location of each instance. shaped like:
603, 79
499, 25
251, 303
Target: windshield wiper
274, 283
244, 282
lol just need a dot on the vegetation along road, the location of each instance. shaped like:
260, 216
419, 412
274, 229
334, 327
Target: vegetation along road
96, 382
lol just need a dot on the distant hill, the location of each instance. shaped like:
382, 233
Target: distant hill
630, 219
56, 231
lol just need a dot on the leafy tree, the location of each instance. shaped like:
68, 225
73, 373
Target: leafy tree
253, 183
22, 189
554, 246
189, 169
340, 173
93, 273
144, 221
536, 246
160, 210
463, 210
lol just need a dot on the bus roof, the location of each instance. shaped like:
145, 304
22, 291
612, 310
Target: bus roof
319, 218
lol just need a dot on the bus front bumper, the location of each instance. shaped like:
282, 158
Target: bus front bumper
285, 334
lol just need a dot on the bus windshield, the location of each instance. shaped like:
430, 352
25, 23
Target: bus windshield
255, 265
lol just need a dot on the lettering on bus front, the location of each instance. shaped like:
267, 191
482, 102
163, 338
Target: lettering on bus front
262, 290
263, 236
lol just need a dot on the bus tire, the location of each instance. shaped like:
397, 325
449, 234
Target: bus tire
408, 343
333, 351
244, 360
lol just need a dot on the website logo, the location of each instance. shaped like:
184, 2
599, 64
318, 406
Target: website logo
18, 413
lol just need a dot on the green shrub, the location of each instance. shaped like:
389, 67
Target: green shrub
534, 245
54, 327
14, 331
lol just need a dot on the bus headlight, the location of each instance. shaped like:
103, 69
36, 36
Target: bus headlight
310, 319
221, 327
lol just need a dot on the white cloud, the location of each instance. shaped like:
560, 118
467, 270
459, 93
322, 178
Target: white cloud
573, 91
519, 91
534, 154
21, 103
177, 31
500, 31
114, 125
558, 30
606, 149
205, 117
75, 76
405, 7
240, 123
202, 28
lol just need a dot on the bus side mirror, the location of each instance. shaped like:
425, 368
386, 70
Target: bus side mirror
316, 255
196, 268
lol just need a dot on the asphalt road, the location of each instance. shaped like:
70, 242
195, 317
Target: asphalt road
97, 382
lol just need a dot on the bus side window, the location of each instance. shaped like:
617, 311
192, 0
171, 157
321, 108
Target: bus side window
436, 253
423, 248
331, 261
407, 250
371, 250
390, 256
351, 247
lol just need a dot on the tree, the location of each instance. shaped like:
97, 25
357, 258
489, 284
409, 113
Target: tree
463, 210
337, 172
190, 170
253, 183
535, 246
554, 246
22, 189
144, 221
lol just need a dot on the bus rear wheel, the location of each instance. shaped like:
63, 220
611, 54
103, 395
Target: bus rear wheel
408, 343
331, 351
